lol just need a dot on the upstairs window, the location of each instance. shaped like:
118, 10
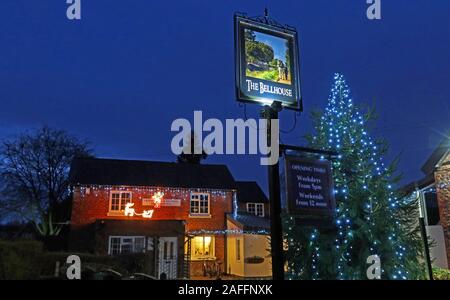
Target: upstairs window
256, 209
118, 201
199, 204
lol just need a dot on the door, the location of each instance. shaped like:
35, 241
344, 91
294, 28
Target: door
168, 257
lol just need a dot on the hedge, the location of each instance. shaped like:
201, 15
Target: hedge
22, 260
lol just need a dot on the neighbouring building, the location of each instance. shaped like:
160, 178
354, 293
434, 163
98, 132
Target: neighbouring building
177, 213
249, 248
433, 191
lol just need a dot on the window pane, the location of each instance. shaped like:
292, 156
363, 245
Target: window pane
197, 244
165, 250
259, 210
126, 248
194, 207
125, 198
204, 206
171, 250
208, 245
114, 246
251, 208
139, 245
115, 200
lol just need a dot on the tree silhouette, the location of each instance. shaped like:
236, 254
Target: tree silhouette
34, 169
188, 155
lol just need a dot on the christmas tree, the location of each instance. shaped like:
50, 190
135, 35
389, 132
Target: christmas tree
371, 219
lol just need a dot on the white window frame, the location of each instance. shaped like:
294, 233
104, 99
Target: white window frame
122, 237
211, 256
199, 214
256, 205
118, 212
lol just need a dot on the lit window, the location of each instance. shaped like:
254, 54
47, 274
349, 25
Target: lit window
256, 209
199, 204
126, 244
202, 247
119, 200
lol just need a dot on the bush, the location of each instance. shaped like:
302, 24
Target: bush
441, 274
20, 260
92, 264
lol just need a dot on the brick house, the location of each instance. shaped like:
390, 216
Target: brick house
174, 211
433, 191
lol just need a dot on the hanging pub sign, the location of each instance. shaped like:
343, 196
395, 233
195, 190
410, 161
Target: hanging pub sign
267, 65
309, 188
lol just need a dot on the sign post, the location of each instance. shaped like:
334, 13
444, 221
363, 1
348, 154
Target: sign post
267, 73
276, 229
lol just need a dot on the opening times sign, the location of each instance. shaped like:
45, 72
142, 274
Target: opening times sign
309, 187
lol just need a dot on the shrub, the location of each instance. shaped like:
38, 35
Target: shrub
91, 264
20, 260
441, 274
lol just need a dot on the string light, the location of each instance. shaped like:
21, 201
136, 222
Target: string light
342, 128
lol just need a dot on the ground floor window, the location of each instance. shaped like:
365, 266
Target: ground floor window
126, 244
202, 247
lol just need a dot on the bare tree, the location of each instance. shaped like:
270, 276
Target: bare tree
34, 170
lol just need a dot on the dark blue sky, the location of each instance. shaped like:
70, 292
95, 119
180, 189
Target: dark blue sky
122, 74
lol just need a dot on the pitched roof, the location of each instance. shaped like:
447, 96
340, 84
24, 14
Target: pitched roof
438, 154
249, 191
98, 171
419, 184
249, 222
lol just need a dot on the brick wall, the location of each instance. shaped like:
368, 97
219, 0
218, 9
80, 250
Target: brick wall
94, 205
442, 177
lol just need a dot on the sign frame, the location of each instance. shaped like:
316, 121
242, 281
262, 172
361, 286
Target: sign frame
310, 214
290, 34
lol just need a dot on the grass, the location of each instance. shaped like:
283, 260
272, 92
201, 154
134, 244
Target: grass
266, 75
